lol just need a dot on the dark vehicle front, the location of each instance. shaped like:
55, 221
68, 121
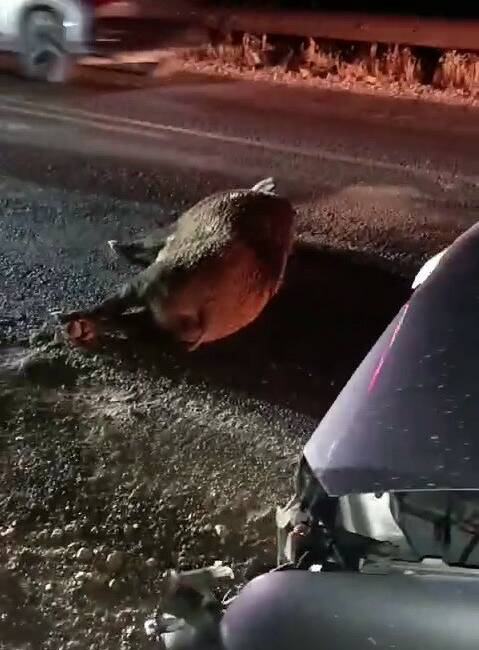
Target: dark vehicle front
380, 545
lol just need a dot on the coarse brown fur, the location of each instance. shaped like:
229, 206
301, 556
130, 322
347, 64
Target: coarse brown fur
218, 269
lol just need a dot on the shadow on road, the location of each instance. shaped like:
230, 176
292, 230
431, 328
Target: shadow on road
105, 79
302, 349
94, 81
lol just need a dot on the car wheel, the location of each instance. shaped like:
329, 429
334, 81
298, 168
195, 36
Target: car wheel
44, 56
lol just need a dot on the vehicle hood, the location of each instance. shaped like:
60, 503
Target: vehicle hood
408, 419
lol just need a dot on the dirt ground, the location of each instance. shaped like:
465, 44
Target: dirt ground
121, 462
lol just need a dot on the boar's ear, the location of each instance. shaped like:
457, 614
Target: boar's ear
266, 186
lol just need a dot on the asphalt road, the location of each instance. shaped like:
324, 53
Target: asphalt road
391, 178
210, 437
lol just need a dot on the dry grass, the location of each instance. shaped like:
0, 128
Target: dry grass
374, 64
457, 70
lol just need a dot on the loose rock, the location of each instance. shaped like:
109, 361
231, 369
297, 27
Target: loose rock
84, 554
56, 535
115, 561
151, 563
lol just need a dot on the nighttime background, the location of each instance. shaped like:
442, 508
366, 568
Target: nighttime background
444, 9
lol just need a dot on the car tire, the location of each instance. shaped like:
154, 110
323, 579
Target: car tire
44, 56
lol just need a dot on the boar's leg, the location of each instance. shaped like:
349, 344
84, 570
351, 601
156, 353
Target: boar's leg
131, 294
111, 307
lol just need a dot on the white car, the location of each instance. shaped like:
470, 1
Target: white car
47, 35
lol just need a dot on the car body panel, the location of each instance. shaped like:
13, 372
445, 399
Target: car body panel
341, 611
77, 15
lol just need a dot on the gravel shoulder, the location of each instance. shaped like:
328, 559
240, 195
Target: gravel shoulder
119, 463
